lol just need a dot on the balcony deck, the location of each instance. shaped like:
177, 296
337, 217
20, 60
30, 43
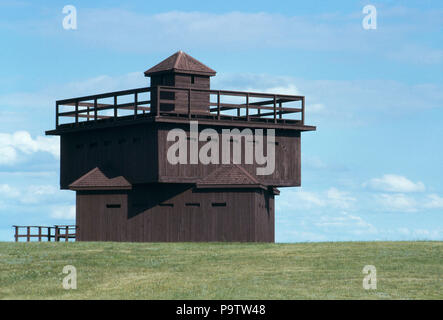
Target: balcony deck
243, 109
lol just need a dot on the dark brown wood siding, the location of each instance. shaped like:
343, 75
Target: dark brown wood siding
130, 152
287, 170
175, 213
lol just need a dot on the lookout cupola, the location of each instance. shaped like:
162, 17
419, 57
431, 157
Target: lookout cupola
181, 70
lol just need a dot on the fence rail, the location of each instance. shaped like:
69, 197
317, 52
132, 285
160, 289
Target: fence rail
268, 107
46, 233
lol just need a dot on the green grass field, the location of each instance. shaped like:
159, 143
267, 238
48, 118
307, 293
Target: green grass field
405, 270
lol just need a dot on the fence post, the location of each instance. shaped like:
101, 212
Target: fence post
76, 112
95, 109
28, 234
303, 110
39, 234
275, 109
16, 234
115, 108
67, 233
218, 105
56, 115
135, 104
247, 106
49, 234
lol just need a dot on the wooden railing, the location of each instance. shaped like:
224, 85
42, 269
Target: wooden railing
88, 107
254, 107
46, 233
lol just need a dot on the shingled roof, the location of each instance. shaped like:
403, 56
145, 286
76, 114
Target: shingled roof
229, 175
182, 63
96, 180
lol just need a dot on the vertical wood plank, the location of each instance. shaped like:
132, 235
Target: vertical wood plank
189, 103
157, 111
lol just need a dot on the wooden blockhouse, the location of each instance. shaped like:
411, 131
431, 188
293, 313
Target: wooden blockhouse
114, 156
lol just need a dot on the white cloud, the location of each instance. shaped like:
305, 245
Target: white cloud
126, 30
348, 102
394, 183
300, 199
8, 154
95, 85
339, 199
8, 191
433, 201
29, 194
11, 144
355, 224
396, 202
37, 193
63, 212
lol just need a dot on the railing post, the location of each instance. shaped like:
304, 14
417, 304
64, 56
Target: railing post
275, 109
247, 106
49, 234
56, 234
189, 103
56, 115
280, 115
303, 111
66, 234
135, 104
16, 234
95, 109
28, 234
76, 112
88, 109
39, 234
115, 108
218, 105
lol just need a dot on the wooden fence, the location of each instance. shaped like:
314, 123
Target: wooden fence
45, 233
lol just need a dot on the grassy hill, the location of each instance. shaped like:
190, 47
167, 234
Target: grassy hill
405, 270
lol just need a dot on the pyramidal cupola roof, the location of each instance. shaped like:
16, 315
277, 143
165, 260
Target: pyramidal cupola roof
181, 62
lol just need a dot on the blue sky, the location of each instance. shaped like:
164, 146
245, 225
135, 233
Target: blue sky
372, 171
